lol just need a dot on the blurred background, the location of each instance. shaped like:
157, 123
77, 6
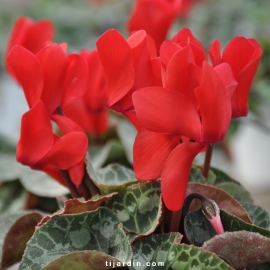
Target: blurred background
244, 155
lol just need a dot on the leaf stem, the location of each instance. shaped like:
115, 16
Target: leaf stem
92, 187
72, 188
207, 160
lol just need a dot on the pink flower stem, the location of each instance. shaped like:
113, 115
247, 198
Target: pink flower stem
72, 188
85, 191
207, 160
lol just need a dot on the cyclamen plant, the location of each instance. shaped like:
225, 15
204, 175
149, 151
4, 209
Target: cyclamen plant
180, 104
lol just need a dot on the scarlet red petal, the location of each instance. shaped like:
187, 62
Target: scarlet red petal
76, 79
244, 56
224, 71
175, 174
150, 151
214, 52
36, 137
54, 63
132, 117
116, 57
95, 96
214, 104
27, 71
65, 124
76, 173
166, 111
178, 75
67, 151
167, 50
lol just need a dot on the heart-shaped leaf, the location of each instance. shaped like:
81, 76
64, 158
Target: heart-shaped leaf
16, 230
258, 215
114, 177
241, 248
138, 208
222, 198
165, 252
98, 230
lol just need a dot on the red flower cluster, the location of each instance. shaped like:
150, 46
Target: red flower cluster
178, 101
54, 81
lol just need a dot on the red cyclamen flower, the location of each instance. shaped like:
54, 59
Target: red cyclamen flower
244, 56
191, 110
41, 149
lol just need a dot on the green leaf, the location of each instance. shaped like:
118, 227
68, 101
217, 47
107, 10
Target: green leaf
222, 198
16, 230
241, 248
77, 206
114, 177
12, 197
259, 216
164, 252
237, 191
112, 151
222, 177
83, 260
98, 230
139, 208
197, 176
127, 134
9, 167
6, 145
232, 223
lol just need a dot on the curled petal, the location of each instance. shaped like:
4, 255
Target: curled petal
150, 151
214, 104
65, 124
175, 174
54, 63
214, 52
27, 71
76, 79
244, 56
67, 151
166, 111
36, 137
117, 60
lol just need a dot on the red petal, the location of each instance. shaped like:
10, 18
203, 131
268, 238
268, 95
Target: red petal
175, 174
36, 135
178, 75
184, 37
116, 57
54, 63
214, 104
167, 51
27, 71
95, 96
166, 111
156, 67
132, 117
214, 52
65, 124
224, 71
31, 35
76, 79
76, 173
150, 152
68, 151
244, 56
